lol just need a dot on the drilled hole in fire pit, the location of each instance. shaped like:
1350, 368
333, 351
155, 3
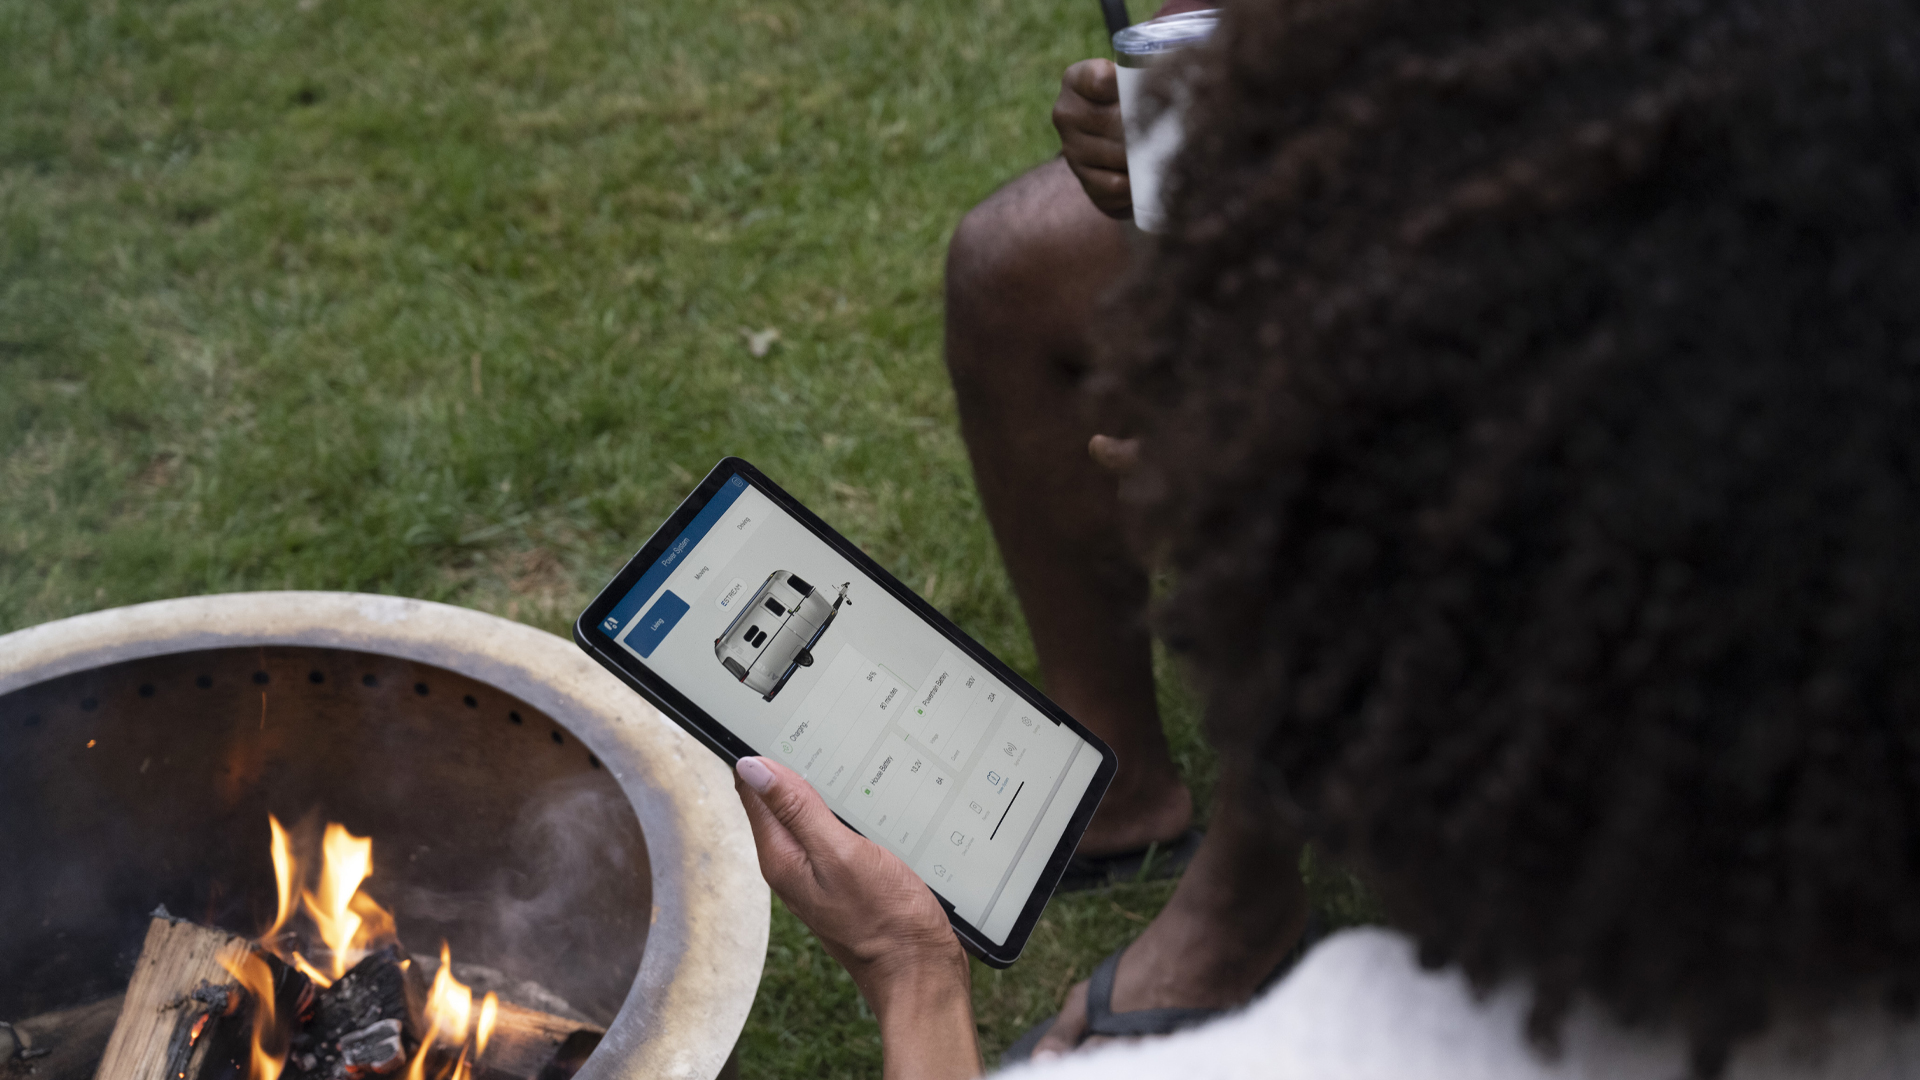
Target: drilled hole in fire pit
529, 864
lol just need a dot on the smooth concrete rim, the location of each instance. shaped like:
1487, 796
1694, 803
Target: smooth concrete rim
701, 968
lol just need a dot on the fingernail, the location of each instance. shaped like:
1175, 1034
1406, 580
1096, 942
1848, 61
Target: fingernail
755, 772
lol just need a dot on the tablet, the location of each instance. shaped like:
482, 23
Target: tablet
756, 627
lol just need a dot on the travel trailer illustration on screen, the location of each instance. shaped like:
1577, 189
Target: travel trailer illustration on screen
774, 634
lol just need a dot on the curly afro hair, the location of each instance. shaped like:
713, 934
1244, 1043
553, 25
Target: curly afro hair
1529, 400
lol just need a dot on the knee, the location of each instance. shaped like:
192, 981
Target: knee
1024, 267
991, 252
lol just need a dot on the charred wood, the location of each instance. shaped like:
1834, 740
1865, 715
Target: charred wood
178, 1021
528, 1044
360, 1025
185, 1017
570, 1055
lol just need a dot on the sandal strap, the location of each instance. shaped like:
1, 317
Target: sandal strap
1102, 1020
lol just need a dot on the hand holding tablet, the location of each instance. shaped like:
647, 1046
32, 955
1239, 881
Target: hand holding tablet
765, 633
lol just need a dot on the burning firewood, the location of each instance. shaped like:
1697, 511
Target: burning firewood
360, 1024
206, 1005
530, 1045
177, 1022
509, 1041
198, 992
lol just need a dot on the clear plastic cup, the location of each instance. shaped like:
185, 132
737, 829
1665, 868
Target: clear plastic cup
1153, 140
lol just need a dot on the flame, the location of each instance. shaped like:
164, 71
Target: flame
449, 1011
282, 877
449, 1002
489, 1012
376, 923
269, 1051
349, 922
300, 964
417, 1068
346, 861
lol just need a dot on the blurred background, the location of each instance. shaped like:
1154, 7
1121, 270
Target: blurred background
455, 299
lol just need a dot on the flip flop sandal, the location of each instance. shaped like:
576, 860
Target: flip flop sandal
1156, 860
1102, 1020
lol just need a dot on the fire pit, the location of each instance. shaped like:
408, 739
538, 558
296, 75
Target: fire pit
573, 848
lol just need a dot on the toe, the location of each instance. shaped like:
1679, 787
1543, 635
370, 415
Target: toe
1069, 1027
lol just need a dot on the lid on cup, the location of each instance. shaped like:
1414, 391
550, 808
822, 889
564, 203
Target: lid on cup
1167, 33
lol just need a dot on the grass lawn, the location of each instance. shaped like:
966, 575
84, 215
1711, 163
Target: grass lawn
451, 300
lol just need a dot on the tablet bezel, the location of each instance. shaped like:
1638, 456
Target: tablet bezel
710, 731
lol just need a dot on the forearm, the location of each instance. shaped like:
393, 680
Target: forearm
926, 1023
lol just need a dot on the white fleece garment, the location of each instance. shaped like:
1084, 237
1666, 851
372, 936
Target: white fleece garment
1360, 1007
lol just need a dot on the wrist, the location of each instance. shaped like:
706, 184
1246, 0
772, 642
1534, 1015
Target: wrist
925, 1010
918, 980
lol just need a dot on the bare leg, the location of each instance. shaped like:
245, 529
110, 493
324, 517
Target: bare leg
1025, 272
1024, 275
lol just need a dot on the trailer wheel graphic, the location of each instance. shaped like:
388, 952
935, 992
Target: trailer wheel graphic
774, 633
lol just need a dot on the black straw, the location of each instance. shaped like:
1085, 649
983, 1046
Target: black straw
1116, 15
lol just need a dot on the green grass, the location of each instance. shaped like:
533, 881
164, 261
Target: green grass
449, 300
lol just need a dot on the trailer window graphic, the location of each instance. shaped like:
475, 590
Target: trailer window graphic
774, 634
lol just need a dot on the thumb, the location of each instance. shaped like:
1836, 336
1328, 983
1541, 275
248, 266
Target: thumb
792, 802
1094, 80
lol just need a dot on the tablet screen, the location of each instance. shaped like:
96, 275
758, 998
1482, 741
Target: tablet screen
808, 661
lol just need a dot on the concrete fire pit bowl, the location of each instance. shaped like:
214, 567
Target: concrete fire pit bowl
524, 805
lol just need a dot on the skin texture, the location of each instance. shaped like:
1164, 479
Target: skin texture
1087, 116
873, 916
1025, 272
